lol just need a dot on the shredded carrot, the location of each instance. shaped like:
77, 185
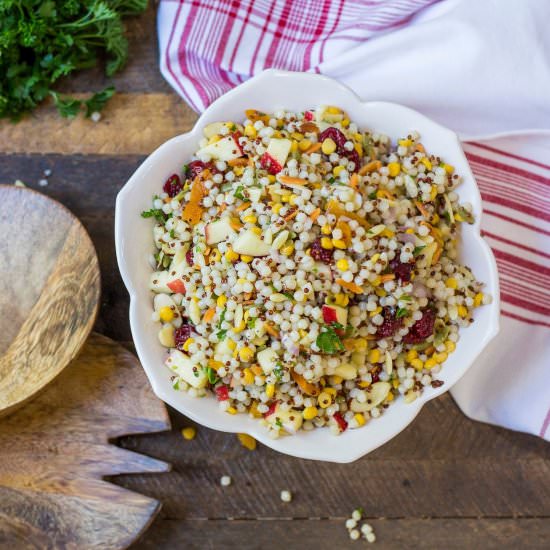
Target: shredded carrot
271, 330
209, 315
215, 364
254, 115
419, 147
292, 181
429, 350
346, 231
354, 180
422, 209
334, 207
307, 387
242, 207
384, 194
309, 127
257, 370
315, 214
291, 215
315, 147
349, 344
387, 277
235, 224
192, 212
371, 337
238, 162
221, 208
437, 254
370, 167
356, 289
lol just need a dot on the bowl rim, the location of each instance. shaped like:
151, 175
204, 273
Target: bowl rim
346, 453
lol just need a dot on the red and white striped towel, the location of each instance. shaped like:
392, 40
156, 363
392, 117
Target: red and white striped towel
465, 68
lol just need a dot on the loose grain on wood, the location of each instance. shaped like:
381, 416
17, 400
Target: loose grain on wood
328, 534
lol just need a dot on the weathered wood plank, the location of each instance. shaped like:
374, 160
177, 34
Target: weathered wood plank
450, 534
132, 124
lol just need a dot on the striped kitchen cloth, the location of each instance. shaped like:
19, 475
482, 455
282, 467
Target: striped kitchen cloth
463, 67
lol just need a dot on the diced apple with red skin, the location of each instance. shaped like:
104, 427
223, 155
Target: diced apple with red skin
290, 420
227, 148
335, 314
182, 365
218, 231
250, 244
274, 159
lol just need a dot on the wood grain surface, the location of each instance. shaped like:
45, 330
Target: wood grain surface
445, 482
55, 451
49, 292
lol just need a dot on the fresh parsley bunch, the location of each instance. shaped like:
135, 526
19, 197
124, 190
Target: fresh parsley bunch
44, 40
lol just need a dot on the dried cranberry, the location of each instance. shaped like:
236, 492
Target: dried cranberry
342, 424
422, 329
353, 156
390, 324
173, 185
320, 254
402, 270
375, 375
222, 393
181, 335
195, 167
271, 409
189, 258
268, 163
336, 135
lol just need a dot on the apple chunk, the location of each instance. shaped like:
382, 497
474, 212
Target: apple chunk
182, 365
226, 148
267, 359
250, 244
335, 314
218, 231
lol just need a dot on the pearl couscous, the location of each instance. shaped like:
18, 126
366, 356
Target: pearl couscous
306, 270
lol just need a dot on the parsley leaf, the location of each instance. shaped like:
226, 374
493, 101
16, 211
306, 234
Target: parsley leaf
221, 334
212, 375
418, 249
156, 213
402, 312
278, 371
372, 195
67, 107
98, 100
239, 193
251, 323
328, 341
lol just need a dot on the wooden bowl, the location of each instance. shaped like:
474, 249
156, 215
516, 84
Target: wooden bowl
49, 292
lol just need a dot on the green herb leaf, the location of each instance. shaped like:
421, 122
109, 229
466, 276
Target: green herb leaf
239, 193
278, 371
251, 323
221, 334
68, 107
402, 312
222, 319
417, 250
156, 213
278, 422
212, 375
328, 341
96, 103
372, 195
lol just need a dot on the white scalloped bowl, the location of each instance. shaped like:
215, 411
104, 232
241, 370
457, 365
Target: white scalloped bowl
270, 91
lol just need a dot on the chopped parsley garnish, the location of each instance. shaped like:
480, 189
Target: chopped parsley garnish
328, 341
405, 298
176, 384
221, 334
239, 193
172, 233
251, 323
156, 213
212, 375
372, 195
418, 249
402, 312
278, 371
278, 422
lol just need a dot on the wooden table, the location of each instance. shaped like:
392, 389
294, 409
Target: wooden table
445, 482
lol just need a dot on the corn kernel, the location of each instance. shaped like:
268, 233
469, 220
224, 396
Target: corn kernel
166, 314
326, 243
248, 377
214, 139
359, 148
270, 390
310, 413
433, 192
375, 257
326, 229
231, 410
441, 357
417, 364
287, 250
297, 136
341, 299
345, 122
462, 311
231, 344
276, 207
376, 281
328, 146
331, 391
374, 356
449, 168
246, 259
238, 170
390, 397
337, 170
231, 255
189, 433
430, 363
250, 131
240, 327
395, 382
360, 419
410, 231
339, 243
411, 354
361, 344
256, 230
304, 145
405, 142
363, 384
271, 178
187, 343
302, 333
394, 169
292, 199
324, 400
478, 299
335, 379
293, 146
450, 345
426, 162
250, 219
342, 264
334, 110
451, 282
247, 441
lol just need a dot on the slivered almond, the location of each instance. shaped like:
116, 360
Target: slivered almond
370, 167
292, 181
419, 147
314, 148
